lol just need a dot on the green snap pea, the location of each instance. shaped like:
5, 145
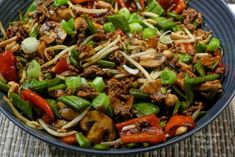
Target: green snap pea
101, 102
34, 85
154, 7
54, 107
200, 69
73, 58
30, 9
144, 109
22, 105
175, 16
106, 64
165, 23
82, 140
181, 94
4, 87
132, 145
168, 77
177, 108
57, 87
73, 82
134, 18
74, 102
138, 94
34, 69
102, 147
68, 26
59, 3
146, 144
90, 24
54, 82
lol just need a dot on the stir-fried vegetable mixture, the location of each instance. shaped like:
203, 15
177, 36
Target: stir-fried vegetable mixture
102, 74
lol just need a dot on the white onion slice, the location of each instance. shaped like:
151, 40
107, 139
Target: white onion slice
130, 70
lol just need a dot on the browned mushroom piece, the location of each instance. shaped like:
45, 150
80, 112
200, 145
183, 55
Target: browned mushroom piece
51, 31
98, 127
80, 24
152, 62
153, 89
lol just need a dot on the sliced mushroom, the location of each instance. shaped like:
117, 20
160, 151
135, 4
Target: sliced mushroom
51, 31
153, 89
153, 63
98, 127
64, 13
80, 24
210, 85
68, 113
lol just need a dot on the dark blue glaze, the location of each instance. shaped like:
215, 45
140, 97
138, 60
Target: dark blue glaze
218, 18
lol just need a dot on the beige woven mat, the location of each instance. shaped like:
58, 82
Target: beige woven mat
216, 140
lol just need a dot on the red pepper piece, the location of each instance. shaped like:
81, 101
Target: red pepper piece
80, 1
152, 119
41, 103
180, 6
122, 3
70, 139
8, 66
61, 66
151, 134
166, 4
178, 121
142, 4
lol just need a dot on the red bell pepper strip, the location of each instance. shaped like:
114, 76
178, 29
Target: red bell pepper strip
152, 134
166, 4
41, 103
178, 121
70, 139
180, 6
8, 66
61, 66
142, 4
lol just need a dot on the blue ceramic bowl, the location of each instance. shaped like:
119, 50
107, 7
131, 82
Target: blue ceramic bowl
218, 18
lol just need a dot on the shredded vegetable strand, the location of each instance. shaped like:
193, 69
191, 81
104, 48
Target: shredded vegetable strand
76, 120
58, 56
5, 42
32, 124
3, 31
104, 49
87, 40
54, 133
86, 10
137, 66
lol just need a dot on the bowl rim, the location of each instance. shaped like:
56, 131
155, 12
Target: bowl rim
141, 150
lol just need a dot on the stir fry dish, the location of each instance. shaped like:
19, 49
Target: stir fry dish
108, 74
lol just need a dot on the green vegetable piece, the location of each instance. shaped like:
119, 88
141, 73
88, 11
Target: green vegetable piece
125, 12
30, 9
186, 58
4, 87
200, 48
34, 69
54, 82
179, 92
146, 144
213, 45
154, 7
177, 108
34, 85
149, 33
200, 69
54, 107
106, 64
177, 28
175, 16
163, 124
101, 102
84, 81
144, 109
90, 24
34, 33
74, 102
163, 90
98, 84
165, 23
73, 58
119, 21
57, 87
73, 82
109, 27
134, 18
132, 145
102, 147
135, 28
82, 140
68, 26
59, 3
168, 77
22, 105
138, 94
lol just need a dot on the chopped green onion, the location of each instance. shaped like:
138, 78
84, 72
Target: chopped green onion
90, 24
165, 23
154, 7
68, 26
73, 82
109, 27
149, 33
98, 84
82, 140
186, 58
200, 48
134, 18
168, 77
124, 12
106, 64
57, 87
135, 28
119, 21
101, 102
175, 16
30, 45
34, 69
213, 45
54, 107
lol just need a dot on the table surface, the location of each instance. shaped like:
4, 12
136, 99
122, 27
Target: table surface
216, 140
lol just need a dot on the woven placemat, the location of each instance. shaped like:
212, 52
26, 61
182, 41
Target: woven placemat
216, 140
